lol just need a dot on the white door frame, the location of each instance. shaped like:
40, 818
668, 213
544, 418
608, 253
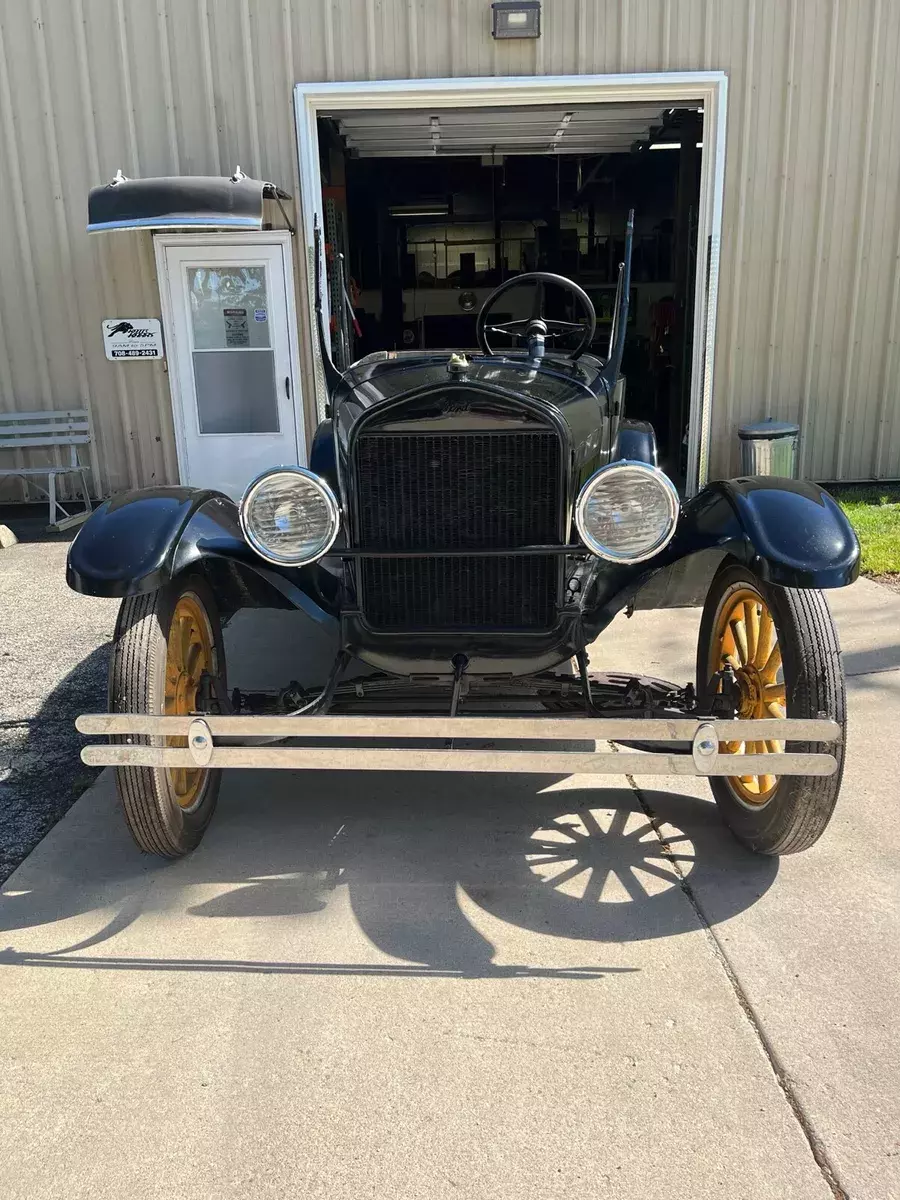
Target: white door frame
249, 238
709, 88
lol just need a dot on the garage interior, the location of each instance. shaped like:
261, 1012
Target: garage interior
427, 211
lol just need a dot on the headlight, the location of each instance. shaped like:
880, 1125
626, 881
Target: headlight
290, 516
627, 511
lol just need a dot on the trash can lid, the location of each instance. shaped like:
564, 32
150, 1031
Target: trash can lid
767, 430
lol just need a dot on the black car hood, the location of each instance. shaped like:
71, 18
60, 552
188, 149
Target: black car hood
484, 392
388, 374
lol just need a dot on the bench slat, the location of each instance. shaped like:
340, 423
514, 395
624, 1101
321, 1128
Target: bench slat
6, 472
14, 431
75, 439
46, 414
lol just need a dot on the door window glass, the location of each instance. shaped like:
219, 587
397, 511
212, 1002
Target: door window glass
234, 362
236, 393
229, 307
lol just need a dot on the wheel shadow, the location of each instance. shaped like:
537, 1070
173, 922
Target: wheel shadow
428, 864
570, 862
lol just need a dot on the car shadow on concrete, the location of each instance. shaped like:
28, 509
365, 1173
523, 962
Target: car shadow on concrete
872, 662
421, 854
418, 856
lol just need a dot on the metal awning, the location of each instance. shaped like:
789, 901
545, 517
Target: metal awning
181, 202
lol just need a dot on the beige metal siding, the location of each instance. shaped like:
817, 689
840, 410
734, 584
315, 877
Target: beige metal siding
809, 304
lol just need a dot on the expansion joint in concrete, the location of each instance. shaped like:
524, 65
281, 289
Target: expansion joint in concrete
816, 1146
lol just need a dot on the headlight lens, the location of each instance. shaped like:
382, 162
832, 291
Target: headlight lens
290, 516
627, 511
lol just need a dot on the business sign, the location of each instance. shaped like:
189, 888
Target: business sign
132, 337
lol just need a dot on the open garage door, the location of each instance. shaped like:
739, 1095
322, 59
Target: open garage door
427, 207
426, 213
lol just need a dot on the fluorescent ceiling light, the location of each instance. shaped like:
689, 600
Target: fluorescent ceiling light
671, 146
420, 210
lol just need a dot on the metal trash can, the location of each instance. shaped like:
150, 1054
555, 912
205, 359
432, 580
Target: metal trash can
769, 448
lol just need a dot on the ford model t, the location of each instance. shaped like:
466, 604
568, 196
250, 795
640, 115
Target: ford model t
470, 524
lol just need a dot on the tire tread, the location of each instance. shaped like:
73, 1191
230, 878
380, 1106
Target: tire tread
820, 689
797, 815
138, 640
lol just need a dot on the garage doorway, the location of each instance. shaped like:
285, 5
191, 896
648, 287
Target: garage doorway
427, 206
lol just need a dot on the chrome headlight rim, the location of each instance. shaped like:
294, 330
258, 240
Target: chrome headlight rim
334, 513
673, 500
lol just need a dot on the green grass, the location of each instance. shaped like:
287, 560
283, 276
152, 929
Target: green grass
874, 512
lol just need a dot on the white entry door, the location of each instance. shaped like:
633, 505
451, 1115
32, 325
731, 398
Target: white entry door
227, 306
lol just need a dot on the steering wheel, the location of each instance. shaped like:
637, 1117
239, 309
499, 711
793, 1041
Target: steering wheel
537, 325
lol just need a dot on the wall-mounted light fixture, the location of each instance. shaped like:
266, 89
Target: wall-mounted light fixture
516, 18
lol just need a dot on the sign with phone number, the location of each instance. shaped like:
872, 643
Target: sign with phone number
132, 337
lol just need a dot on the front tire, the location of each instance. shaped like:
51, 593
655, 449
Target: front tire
783, 647
164, 641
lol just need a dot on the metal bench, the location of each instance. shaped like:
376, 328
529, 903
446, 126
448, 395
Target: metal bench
27, 431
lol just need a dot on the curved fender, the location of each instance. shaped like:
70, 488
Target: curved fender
322, 457
139, 541
128, 545
790, 532
635, 440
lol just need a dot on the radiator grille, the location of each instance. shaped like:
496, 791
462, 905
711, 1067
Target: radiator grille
458, 491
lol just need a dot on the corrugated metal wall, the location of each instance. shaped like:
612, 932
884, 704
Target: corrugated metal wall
809, 309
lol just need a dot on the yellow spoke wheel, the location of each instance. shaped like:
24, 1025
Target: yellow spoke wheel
190, 652
163, 643
782, 646
745, 639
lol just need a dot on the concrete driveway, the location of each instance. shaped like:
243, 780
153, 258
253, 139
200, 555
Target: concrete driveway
473, 986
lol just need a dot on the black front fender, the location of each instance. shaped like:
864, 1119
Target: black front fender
130, 544
789, 532
139, 541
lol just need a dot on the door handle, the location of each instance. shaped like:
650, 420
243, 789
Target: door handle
287, 386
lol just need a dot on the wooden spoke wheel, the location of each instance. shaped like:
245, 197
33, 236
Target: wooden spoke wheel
782, 646
190, 652
745, 638
165, 641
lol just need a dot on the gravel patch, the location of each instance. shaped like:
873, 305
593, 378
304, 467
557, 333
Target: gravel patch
54, 656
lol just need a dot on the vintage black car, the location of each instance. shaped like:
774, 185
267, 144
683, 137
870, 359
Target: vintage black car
468, 526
